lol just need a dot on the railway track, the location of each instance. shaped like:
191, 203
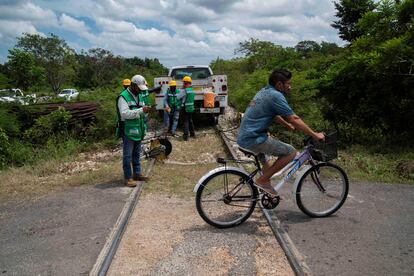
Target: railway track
227, 132
296, 260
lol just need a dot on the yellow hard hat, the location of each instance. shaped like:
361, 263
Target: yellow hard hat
187, 79
126, 82
172, 83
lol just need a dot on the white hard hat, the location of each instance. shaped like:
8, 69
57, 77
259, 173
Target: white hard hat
140, 81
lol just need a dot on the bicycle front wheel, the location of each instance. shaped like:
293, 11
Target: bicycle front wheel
226, 198
322, 190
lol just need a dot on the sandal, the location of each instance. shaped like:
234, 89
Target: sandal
267, 188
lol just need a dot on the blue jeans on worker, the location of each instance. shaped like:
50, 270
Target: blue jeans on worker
171, 120
131, 154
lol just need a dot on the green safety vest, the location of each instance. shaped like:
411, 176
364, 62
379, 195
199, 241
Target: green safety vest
144, 97
173, 101
134, 129
189, 100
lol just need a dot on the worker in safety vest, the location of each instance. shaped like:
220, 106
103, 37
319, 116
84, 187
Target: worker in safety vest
187, 98
145, 94
132, 128
126, 83
172, 106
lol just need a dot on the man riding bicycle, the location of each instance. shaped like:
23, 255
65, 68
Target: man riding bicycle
270, 105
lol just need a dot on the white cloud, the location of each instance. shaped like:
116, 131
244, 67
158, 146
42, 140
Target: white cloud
226, 37
12, 29
175, 31
26, 11
115, 26
76, 26
191, 31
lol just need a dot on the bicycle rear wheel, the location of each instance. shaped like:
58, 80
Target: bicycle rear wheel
322, 190
226, 198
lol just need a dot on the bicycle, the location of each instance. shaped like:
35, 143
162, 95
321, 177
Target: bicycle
226, 196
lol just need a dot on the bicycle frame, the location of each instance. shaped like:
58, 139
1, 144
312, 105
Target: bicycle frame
294, 166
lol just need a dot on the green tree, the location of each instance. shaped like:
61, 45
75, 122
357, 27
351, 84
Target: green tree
371, 86
329, 48
4, 80
53, 54
307, 46
22, 68
265, 54
349, 12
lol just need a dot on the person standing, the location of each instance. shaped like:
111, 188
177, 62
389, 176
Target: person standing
126, 83
145, 94
187, 98
172, 107
132, 128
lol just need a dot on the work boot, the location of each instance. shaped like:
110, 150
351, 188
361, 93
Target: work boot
140, 177
185, 137
130, 182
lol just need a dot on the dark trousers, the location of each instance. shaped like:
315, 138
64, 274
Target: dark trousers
188, 123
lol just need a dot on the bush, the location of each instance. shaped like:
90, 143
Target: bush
8, 121
20, 153
4, 148
58, 146
105, 121
48, 125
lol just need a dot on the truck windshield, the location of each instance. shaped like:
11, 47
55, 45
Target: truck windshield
194, 73
9, 93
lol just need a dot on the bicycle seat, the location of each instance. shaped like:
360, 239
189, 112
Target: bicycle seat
247, 152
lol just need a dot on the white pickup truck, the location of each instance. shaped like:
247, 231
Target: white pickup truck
15, 95
204, 81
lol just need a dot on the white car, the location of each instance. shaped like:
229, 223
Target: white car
69, 94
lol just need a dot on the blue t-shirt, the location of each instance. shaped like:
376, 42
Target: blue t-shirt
259, 115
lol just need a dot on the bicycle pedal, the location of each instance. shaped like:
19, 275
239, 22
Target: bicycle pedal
269, 202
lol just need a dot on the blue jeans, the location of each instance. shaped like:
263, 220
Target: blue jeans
171, 120
131, 152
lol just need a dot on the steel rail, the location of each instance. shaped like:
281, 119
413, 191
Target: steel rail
294, 257
107, 253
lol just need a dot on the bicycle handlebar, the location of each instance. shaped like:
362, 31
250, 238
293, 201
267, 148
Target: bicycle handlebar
308, 141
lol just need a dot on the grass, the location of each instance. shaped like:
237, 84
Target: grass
34, 181
199, 154
362, 164
169, 179
102, 166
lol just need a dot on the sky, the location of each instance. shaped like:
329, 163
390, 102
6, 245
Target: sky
174, 31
